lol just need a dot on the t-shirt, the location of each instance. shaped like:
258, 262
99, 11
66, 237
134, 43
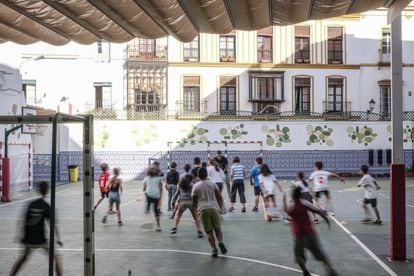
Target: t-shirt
103, 181
237, 171
223, 162
205, 190
254, 173
303, 187
34, 224
368, 182
173, 177
214, 175
268, 184
301, 223
153, 186
320, 180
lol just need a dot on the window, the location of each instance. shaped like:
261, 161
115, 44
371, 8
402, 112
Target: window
103, 51
29, 90
266, 90
264, 48
385, 45
191, 50
335, 45
302, 95
227, 48
147, 49
335, 95
103, 95
228, 95
191, 96
385, 100
302, 44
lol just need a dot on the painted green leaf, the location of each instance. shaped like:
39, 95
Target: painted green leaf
308, 143
265, 128
368, 139
368, 132
309, 128
200, 131
329, 143
350, 130
242, 125
330, 130
285, 137
14, 109
226, 137
312, 138
278, 144
223, 131
285, 130
318, 128
270, 141
244, 132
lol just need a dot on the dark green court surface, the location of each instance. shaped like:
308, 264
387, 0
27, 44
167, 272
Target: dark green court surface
255, 247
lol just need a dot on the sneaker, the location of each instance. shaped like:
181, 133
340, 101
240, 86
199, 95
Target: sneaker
214, 252
287, 220
200, 234
231, 209
104, 219
316, 221
223, 248
173, 230
158, 229
366, 220
243, 210
377, 222
120, 223
112, 212
159, 212
255, 209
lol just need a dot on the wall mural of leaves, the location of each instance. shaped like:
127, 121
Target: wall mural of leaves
276, 136
101, 137
362, 135
233, 132
193, 136
144, 136
319, 135
408, 134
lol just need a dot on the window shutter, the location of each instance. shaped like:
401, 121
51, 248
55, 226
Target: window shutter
266, 31
227, 81
334, 32
302, 31
192, 81
302, 81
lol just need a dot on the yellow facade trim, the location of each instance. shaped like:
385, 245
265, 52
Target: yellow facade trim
312, 89
265, 65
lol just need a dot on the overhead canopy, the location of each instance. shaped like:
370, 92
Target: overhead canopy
86, 21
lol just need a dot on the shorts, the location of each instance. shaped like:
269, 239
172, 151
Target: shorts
312, 244
257, 191
184, 205
28, 248
319, 193
211, 219
114, 197
104, 194
372, 201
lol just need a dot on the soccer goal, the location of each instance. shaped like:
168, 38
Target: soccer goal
31, 122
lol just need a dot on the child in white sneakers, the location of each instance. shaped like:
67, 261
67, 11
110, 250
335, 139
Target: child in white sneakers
370, 196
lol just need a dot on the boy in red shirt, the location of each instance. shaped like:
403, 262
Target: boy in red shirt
304, 232
103, 181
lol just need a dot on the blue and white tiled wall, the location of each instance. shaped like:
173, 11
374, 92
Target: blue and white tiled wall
133, 165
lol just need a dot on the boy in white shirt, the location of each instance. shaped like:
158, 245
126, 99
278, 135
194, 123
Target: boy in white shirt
370, 196
321, 185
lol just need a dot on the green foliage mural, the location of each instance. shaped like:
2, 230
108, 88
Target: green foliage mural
319, 135
408, 134
193, 135
276, 136
362, 135
233, 132
145, 135
101, 137
390, 132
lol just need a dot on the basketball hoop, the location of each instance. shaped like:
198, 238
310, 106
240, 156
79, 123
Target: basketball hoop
40, 129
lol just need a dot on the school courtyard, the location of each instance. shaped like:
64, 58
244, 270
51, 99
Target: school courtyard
255, 247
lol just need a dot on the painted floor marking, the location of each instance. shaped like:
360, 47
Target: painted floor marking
365, 248
408, 205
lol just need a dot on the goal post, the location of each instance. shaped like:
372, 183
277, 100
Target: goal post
88, 175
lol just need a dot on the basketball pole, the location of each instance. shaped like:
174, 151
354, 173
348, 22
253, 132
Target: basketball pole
397, 181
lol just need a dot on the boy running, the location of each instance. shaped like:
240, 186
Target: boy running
304, 232
321, 185
172, 180
254, 181
207, 198
370, 196
103, 182
237, 175
153, 193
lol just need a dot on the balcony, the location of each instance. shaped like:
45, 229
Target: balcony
191, 110
135, 53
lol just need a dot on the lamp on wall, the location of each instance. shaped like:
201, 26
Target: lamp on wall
371, 105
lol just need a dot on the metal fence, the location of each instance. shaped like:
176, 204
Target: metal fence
240, 115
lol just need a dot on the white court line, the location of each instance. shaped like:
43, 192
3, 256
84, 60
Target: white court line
35, 197
176, 251
365, 248
381, 194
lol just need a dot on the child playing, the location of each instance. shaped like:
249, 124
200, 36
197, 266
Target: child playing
153, 192
304, 233
370, 197
268, 184
305, 190
115, 189
320, 184
172, 180
185, 202
103, 182
237, 175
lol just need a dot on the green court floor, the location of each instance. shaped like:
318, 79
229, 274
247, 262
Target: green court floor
255, 247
